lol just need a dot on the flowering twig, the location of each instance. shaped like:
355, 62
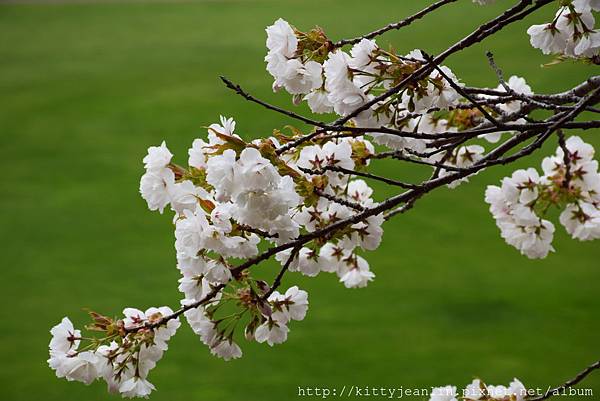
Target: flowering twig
163, 320
339, 201
303, 198
284, 268
517, 12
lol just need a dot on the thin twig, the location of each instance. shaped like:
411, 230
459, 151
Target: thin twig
206, 299
284, 268
498, 71
238, 89
458, 88
360, 174
566, 158
335, 199
395, 25
568, 384
398, 155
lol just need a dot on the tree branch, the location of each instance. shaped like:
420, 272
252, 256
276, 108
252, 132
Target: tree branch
284, 268
517, 12
568, 384
458, 88
584, 95
238, 89
395, 25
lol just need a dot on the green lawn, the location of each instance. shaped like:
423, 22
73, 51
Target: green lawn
86, 88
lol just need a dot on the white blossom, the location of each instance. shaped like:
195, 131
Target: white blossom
464, 157
581, 220
291, 305
547, 38
332, 258
64, 337
272, 332
318, 101
226, 127
281, 38
136, 387
357, 273
197, 153
227, 350
254, 172
220, 174
360, 192
344, 94
217, 272
362, 53
191, 232
154, 188
158, 157
519, 225
184, 195
587, 5
473, 391
81, 367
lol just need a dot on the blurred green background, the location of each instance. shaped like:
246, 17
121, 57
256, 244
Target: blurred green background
86, 88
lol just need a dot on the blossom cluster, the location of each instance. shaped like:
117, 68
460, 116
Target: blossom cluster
477, 390
121, 358
309, 66
570, 182
235, 195
232, 197
571, 33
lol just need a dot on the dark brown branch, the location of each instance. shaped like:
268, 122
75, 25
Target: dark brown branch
498, 71
323, 127
402, 209
299, 141
395, 25
344, 202
570, 96
256, 231
238, 89
398, 155
568, 384
284, 268
566, 158
360, 174
464, 94
502, 149
207, 298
